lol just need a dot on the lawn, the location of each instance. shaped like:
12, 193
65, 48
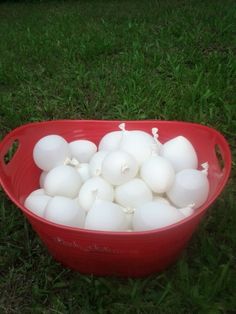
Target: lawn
119, 60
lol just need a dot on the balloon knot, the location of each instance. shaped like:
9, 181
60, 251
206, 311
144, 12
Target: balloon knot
205, 167
155, 134
122, 127
124, 169
97, 172
73, 162
128, 210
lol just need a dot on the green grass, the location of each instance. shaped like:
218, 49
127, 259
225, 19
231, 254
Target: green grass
119, 60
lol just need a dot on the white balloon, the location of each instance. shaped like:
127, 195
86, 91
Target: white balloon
95, 188
110, 141
133, 193
119, 167
63, 181
37, 203
106, 216
95, 163
158, 173
139, 144
38, 192
82, 150
65, 211
190, 186
180, 152
154, 215
51, 151
84, 171
42, 178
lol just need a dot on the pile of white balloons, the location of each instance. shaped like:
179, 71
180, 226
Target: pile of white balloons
130, 182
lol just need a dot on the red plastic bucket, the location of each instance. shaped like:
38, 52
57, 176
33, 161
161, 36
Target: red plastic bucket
110, 253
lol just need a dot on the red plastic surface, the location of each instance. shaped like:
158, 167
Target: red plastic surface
110, 253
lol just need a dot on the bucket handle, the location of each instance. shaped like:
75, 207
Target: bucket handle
219, 157
9, 149
12, 150
223, 154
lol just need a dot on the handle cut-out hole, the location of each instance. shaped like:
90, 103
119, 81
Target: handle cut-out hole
219, 157
11, 152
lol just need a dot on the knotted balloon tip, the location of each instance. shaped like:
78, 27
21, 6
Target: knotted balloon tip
122, 126
124, 168
128, 210
73, 162
155, 133
205, 167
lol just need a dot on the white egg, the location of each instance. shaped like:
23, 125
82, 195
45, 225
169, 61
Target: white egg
133, 193
84, 171
119, 167
95, 163
160, 199
95, 188
38, 192
82, 150
106, 216
37, 203
154, 215
110, 141
158, 173
190, 186
65, 211
139, 144
42, 178
181, 153
63, 181
51, 151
